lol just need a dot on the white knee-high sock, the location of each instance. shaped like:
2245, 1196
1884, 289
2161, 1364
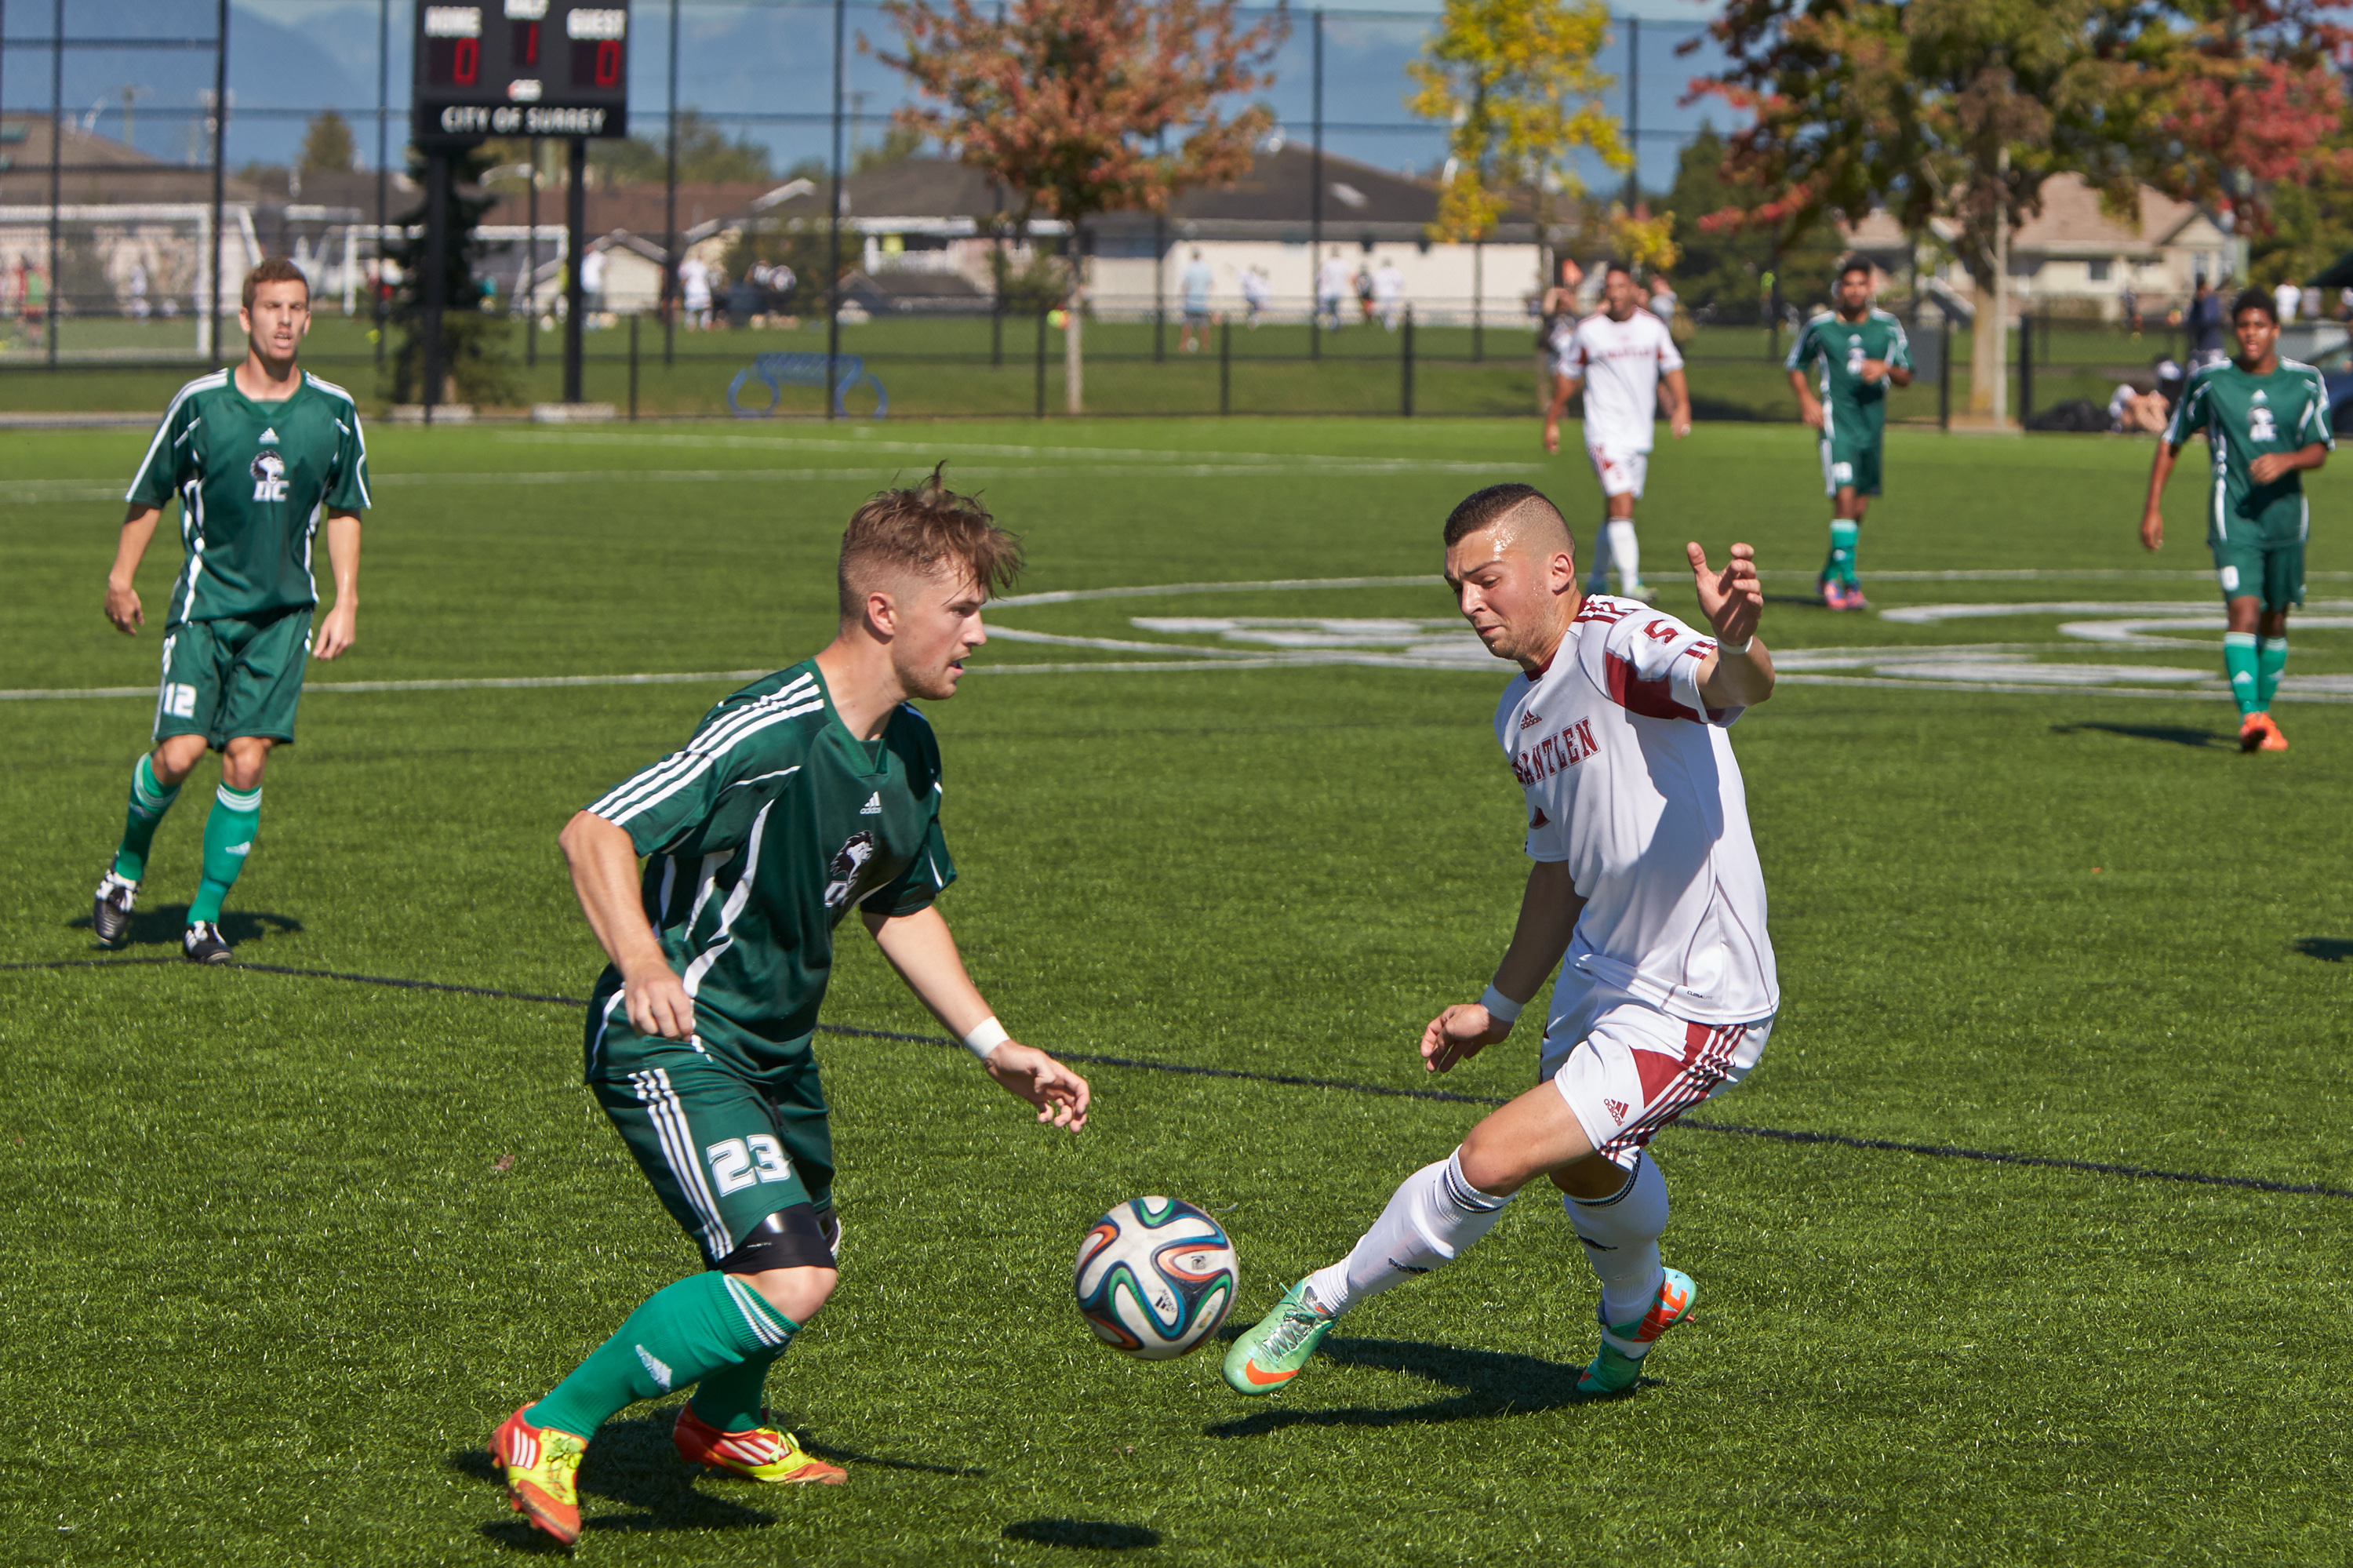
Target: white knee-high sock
1625, 554
1621, 1241
1432, 1217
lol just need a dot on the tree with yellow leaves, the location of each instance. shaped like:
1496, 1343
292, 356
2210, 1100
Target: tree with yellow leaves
1515, 81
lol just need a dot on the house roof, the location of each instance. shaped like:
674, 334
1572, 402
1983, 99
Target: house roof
2072, 223
96, 170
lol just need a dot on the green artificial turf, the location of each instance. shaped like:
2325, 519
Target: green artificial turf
281, 1250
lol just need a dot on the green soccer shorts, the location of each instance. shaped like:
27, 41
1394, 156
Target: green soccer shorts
2261, 551
1849, 460
223, 679
723, 1147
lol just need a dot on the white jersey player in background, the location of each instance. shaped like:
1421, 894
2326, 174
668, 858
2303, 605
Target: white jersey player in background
1645, 878
1619, 355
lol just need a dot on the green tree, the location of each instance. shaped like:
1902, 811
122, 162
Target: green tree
327, 144
1724, 267
898, 143
705, 157
1514, 81
474, 351
1960, 109
1083, 107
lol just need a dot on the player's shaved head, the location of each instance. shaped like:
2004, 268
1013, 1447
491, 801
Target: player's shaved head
1522, 510
921, 531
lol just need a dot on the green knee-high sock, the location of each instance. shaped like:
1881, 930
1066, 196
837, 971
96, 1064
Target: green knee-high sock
149, 801
732, 1398
2239, 664
681, 1334
2270, 658
228, 843
1844, 533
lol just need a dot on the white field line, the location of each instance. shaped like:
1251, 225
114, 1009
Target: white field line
986, 448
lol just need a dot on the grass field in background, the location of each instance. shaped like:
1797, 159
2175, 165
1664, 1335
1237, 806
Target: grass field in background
281, 1250
972, 366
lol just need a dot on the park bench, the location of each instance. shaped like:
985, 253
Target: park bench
779, 371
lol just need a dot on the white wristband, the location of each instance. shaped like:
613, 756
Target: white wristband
1739, 649
986, 1037
1500, 1007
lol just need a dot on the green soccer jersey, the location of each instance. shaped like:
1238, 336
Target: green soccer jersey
767, 827
1851, 406
253, 481
2243, 417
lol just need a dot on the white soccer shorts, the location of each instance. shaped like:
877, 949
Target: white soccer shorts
1627, 1069
1620, 471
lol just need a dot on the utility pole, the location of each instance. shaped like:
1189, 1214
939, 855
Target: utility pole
833, 275
1315, 208
1634, 112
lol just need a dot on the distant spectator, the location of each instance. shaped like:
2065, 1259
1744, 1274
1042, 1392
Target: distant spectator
1197, 279
694, 292
2205, 322
1388, 292
1663, 298
1365, 293
2130, 302
1331, 287
138, 290
2290, 294
592, 282
1559, 309
2170, 379
1256, 290
2344, 304
2135, 412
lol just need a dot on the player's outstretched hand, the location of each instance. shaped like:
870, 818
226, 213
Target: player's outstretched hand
2152, 530
1060, 1095
1732, 599
1458, 1034
123, 608
657, 1001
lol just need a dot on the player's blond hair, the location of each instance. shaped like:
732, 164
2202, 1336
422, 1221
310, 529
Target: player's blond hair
921, 529
276, 269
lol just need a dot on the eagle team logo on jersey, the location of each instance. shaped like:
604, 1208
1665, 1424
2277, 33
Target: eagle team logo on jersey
841, 875
268, 470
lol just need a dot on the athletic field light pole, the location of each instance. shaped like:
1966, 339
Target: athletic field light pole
833, 271
575, 249
669, 207
383, 155
1316, 205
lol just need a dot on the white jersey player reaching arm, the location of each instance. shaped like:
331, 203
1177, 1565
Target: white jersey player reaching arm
1645, 878
1619, 357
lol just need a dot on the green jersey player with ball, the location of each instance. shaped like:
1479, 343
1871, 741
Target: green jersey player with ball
2265, 420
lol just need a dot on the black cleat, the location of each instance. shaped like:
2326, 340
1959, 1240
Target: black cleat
109, 909
201, 944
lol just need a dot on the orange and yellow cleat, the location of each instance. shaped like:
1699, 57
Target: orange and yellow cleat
540, 1464
2273, 739
763, 1454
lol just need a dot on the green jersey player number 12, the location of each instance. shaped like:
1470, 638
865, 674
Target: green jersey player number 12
257, 455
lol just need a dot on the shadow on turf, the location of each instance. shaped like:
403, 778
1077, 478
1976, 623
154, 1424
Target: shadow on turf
2328, 949
161, 926
634, 1462
2174, 734
1087, 1534
1493, 1383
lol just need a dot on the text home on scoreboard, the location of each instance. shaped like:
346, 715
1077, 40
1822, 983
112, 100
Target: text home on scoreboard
521, 67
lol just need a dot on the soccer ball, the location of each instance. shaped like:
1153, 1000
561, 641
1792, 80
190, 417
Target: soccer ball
1155, 1277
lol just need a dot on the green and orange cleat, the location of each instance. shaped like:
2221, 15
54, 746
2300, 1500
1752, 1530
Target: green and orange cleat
763, 1454
540, 1464
1614, 1371
1276, 1350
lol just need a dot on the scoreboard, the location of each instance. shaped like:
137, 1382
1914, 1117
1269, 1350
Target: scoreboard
521, 67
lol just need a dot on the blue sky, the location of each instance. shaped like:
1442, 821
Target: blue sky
761, 65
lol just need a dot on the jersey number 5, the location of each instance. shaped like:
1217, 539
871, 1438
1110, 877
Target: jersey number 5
737, 1163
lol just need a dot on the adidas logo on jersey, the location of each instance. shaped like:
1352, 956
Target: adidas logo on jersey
873, 807
268, 438
1532, 720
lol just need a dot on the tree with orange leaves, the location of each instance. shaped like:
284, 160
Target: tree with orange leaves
1959, 109
1083, 107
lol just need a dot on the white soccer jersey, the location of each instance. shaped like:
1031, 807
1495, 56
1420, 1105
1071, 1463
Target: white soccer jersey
1632, 781
1620, 364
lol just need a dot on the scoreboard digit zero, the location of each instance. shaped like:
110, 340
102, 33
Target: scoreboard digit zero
521, 67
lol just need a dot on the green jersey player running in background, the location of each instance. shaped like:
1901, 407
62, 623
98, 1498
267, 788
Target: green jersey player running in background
804, 796
257, 455
1861, 352
2265, 420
